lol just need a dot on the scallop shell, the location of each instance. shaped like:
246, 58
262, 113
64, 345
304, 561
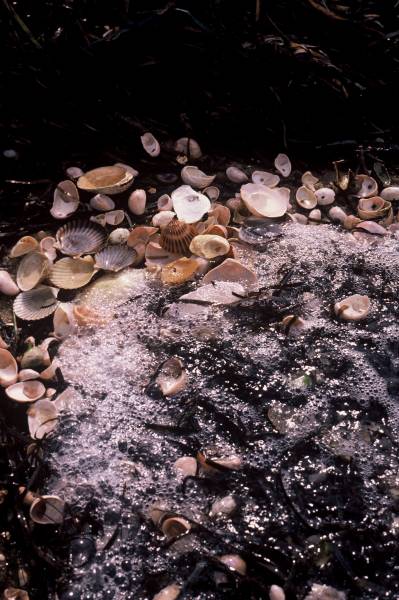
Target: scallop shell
165, 202
209, 246
353, 308
7, 284
137, 201
176, 237
179, 271
262, 201
72, 273
189, 147
102, 202
189, 205
325, 196
236, 175
42, 418
283, 164
65, 201
193, 176
32, 269
23, 246
85, 316
367, 186
309, 180
233, 270
265, 178
150, 144
47, 510
36, 304
390, 193
306, 198
80, 237
106, 180
26, 391
8, 368
115, 258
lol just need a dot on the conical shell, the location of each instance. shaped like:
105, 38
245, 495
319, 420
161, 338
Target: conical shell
306, 198
42, 418
179, 271
47, 510
102, 202
115, 258
233, 270
283, 164
265, 178
325, 196
353, 308
106, 180
72, 273
188, 147
8, 368
26, 391
209, 246
32, 269
262, 201
7, 284
189, 205
150, 144
65, 201
235, 175
80, 237
196, 178
36, 304
23, 246
176, 237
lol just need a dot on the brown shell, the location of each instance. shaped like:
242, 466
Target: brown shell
176, 237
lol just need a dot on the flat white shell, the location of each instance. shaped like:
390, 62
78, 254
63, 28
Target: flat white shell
190, 206
262, 201
283, 164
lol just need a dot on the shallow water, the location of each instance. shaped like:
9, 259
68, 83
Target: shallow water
314, 418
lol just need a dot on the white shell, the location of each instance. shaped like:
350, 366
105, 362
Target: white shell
309, 180
26, 391
325, 196
7, 284
165, 202
150, 144
265, 178
337, 214
119, 236
195, 177
189, 147
189, 205
8, 368
36, 304
315, 215
368, 186
217, 293
102, 202
170, 592
209, 246
353, 308
371, 227
283, 164
186, 466
163, 218
32, 269
306, 198
137, 201
42, 418
276, 593
235, 175
23, 246
223, 506
65, 200
262, 201
47, 510
390, 193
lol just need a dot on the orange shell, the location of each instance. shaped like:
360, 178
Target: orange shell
176, 237
179, 271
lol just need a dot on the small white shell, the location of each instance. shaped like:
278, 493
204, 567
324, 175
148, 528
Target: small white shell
209, 246
7, 284
23, 246
262, 201
283, 164
390, 193
223, 506
298, 218
189, 147
309, 180
47, 510
150, 144
325, 196
32, 269
42, 418
353, 308
74, 172
119, 236
36, 304
306, 198
315, 215
189, 205
26, 391
186, 466
165, 202
8, 368
195, 177
163, 218
371, 227
236, 175
28, 374
265, 178
137, 201
66, 200
102, 202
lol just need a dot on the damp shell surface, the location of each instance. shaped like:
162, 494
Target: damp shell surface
8, 368
36, 304
179, 271
176, 237
106, 180
71, 273
80, 237
115, 258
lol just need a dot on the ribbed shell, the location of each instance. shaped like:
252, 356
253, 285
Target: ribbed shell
80, 237
176, 237
71, 273
115, 258
32, 269
36, 304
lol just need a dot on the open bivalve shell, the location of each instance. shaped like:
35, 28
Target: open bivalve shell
23, 246
263, 201
32, 269
36, 304
309, 180
47, 247
367, 186
173, 527
283, 164
80, 237
8, 368
72, 273
172, 378
235, 175
115, 258
176, 237
106, 180
209, 246
65, 201
265, 178
353, 308
372, 208
325, 196
233, 270
102, 202
306, 198
165, 203
179, 271
7, 284
212, 192
42, 418
196, 178
190, 206
26, 391
114, 217
47, 510
188, 147
150, 144
156, 256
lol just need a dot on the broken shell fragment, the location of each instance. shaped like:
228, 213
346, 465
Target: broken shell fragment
179, 271
137, 201
47, 510
23, 246
173, 527
156, 256
306, 198
64, 321
170, 592
236, 175
233, 270
8, 368
189, 147
212, 192
119, 236
367, 186
165, 202
293, 325
213, 459
325, 196
283, 164
172, 378
163, 218
209, 246
42, 418
390, 193
7, 284
106, 180
353, 308
309, 180
371, 227
373, 208
65, 200
262, 201
265, 178
27, 375
102, 202
223, 506
193, 176
12, 593
351, 221
36, 304
176, 237
115, 258
189, 205
80, 237
186, 466
33, 268
235, 563
26, 391
72, 273
221, 213
150, 144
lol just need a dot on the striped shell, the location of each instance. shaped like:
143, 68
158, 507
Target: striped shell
80, 237
115, 258
106, 180
71, 273
36, 304
176, 237
32, 269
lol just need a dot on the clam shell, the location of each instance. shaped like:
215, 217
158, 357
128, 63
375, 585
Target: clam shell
80, 237
163, 218
42, 418
8, 368
283, 164
32, 269
114, 217
150, 144
36, 304
373, 208
65, 200
236, 175
26, 391
119, 236
209, 246
309, 180
276, 592
189, 205
176, 237
325, 196
232, 270
72, 273
137, 201
175, 526
102, 202
106, 180
221, 213
198, 302
390, 193
193, 176
23, 246
262, 201
115, 258
353, 308
315, 215
306, 198
47, 510
367, 186
265, 178
7, 284
212, 192
165, 202
189, 147
371, 227
179, 271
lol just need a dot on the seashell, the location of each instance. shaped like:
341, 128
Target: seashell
299, 218
213, 458
127, 168
12, 593
106, 180
8, 368
3, 344
64, 321
176, 237
47, 248
33, 268
351, 221
186, 465
235, 563
142, 233
198, 302
234, 203
50, 372
163, 218
367, 186
315, 216
265, 178
165, 202
283, 164
337, 214
114, 217
170, 592
193, 176
80, 237
28, 374
233, 270
202, 226
224, 506
324, 592
373, 208
259, 230
36, 304
47, 510
65, 200
42, 418
189, 147
174, 527
262, 201
23, 246
119, 236
7, 284
72, 273
157, 257
99, 219
306, 198
88, 317
172, 378
179, 271
325, 196
309, 180
216, 230
26, 391
235, 175
390, 193
293, 325
209, 246
74, 172
35, 358
102, 202
115, 258
276, 593
212, 192
371, 227
137, 201
150, 144
353, 308
221, 213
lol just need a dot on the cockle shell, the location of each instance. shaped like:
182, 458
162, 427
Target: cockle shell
283, 164
80, 237
47, 247
189, 147
193, 176
367, 186
33, 268
306, 198
325, 196
119, 236
176, 237
390, 193
23, 246
170, 592
106, 180
137, 201
71, 273
42, 418
115, 258
7, 284
8, 368
114, 217
373, 208
150, 144
309, 180
163, 218
221, 213
189, 205
165, 202
209, 246
236, 175
353, 308
235, 563
216, 230
179, 271
172, 377
102, 202
47, 510
26, 391
232, 270
212, 192
265, 178
36, 304
262, 201
65, 200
